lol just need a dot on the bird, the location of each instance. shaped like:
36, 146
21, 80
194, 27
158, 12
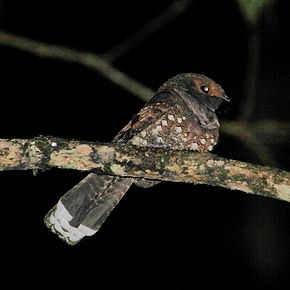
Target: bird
180, 116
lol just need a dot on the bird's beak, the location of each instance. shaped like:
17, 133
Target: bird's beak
226, 98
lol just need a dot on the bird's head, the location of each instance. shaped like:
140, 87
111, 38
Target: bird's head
203, 89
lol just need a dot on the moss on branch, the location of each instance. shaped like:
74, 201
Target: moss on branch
45, 152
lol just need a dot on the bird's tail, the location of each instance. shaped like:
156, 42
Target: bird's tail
84, 208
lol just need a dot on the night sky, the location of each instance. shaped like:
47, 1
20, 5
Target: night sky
170, 236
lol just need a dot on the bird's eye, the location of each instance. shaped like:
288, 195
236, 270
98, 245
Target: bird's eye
205, 89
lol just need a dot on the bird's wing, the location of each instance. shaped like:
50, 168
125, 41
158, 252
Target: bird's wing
159, 105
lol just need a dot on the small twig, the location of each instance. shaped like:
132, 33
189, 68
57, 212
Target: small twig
271, 131
268, 130
89, 60
152, 163
246, 134
172, 11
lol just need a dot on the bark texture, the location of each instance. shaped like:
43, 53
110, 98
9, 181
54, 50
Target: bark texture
44, 152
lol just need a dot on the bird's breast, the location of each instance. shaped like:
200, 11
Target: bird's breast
174, 131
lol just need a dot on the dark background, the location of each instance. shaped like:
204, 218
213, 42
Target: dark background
171, 236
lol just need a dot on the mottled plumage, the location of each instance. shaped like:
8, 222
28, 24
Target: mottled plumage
180, 116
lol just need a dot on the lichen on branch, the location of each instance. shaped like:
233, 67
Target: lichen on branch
44, 152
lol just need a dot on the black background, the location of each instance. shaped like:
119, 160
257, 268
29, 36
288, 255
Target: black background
171, 236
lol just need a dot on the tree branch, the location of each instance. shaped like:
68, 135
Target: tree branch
245, 132
87, 59
161, 20
269, 131
152, 163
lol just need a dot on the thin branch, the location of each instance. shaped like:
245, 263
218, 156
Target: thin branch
172, 11
268, 130
152, 163
89, 60
271, 131
245, 133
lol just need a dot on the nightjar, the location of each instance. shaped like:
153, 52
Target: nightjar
181, 116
